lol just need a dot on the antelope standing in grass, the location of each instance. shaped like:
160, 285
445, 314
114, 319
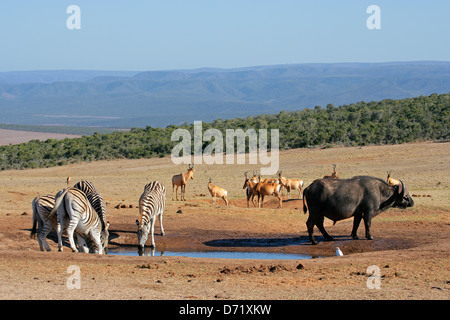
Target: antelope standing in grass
334, 174
250, 186
268, 189
180, 180
217, 192
291, 184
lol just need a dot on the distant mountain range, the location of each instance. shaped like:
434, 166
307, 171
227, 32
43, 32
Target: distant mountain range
161, 98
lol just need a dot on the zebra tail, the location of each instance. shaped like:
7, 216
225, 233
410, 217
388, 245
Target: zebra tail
58, 200
35, 217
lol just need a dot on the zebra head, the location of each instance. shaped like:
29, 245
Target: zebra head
142, 234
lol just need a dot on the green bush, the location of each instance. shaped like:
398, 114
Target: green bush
363, 123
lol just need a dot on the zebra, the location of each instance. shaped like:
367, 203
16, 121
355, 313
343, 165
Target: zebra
75, 213
151, 204
45, 221
42, 206
95, 198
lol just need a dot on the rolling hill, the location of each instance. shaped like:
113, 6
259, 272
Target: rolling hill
161, 98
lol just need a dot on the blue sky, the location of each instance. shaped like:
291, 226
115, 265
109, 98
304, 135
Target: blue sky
173, 34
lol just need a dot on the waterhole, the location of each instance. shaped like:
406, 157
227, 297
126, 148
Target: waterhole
212, 254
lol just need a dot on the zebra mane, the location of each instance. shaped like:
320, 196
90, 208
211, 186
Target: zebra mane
95, 198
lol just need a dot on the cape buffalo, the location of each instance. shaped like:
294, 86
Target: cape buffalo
362, 197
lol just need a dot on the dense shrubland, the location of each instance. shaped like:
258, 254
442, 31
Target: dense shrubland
383, 122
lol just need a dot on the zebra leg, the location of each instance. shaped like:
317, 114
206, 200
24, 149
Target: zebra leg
96, 242
40, 227
43, 233
70, 230
152, 231
59, 230
82, 245
161, 224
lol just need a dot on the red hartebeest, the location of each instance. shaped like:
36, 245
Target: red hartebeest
268, 189
334, 174
217, 192
291, 184
180, 180
392, 181
250, 185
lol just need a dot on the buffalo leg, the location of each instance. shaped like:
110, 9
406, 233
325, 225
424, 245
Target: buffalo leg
310, 225
356, 221
367, 224
319, 224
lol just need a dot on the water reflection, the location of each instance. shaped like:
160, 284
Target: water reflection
151, 252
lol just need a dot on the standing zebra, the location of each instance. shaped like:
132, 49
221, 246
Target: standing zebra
42, 206
75, 211
95, 198
151, 204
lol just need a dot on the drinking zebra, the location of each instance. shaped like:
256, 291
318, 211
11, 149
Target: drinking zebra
151, 204
95, 198
75, 213
42, 206
45, 221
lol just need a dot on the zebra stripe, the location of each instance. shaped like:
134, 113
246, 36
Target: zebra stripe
95, 198
151, 204
42, 206
75, 211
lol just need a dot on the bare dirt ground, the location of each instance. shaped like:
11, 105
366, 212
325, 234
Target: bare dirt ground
411, 247
17, 136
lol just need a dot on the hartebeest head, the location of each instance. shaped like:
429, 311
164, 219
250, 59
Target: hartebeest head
190, 171
246, 180
334, 174
392, 181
